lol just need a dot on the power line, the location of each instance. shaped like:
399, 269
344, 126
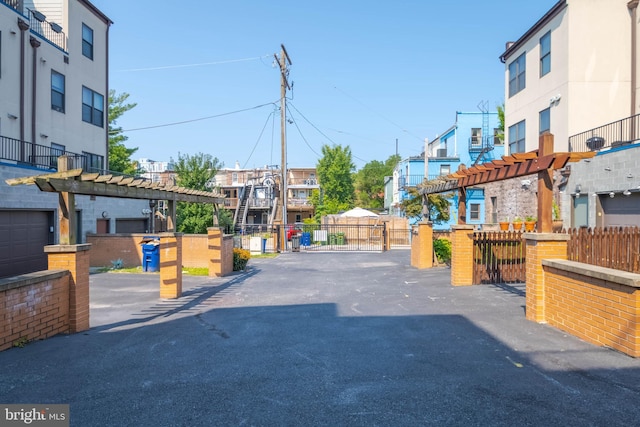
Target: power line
193, 120
167, 67
303, 138
259, 138
377, 113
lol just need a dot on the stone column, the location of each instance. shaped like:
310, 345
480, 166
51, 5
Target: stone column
170, 265
462, 255
422, 245
540, 246
74, 258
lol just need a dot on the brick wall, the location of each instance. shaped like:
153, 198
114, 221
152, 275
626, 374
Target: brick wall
599, 305
462, 255
110, 247
34, 306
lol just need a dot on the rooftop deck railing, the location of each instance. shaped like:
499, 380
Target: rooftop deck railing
612, 135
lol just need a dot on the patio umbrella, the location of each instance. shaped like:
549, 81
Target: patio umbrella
359, 213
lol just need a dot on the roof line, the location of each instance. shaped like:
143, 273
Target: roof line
552, 13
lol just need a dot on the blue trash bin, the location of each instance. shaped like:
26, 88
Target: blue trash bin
151, 256
306, 239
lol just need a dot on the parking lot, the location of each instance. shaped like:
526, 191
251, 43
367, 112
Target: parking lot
321, 339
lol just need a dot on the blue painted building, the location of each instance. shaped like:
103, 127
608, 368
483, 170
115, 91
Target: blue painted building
472, 139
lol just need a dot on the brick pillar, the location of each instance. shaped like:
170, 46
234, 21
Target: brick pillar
540, 246
214, 245
422, 245
74, 258
462, 255
170, 265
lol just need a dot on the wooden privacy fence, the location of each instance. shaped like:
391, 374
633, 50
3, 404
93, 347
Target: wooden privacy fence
612, 247
498, 257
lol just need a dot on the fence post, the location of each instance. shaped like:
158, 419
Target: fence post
74, 258
462, 255
170, 265
540, 246
422, 245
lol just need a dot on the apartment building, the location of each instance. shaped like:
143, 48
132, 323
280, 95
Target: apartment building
54, 97
574, 73
473, 138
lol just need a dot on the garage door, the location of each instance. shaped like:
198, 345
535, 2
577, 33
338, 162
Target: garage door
621, 210
23, 236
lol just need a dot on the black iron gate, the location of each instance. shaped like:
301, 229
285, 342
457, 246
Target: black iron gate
498, 257
336, 237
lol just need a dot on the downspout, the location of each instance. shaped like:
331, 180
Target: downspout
633, 7
35, 44
23, 27
106, 165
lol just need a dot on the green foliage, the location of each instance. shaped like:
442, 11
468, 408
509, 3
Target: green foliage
369, 182
336, 180
21, 342
240, 259
117, 264
437, 205
195, 172
119, 154
500, 133
442, 249
225, 220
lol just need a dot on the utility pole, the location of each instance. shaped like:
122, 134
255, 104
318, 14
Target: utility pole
284, 61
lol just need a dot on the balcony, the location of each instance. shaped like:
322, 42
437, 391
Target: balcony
616, 134
42, 157
303, 183
478, 144
405, 181
50, 31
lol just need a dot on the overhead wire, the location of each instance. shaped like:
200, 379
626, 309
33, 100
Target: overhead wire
195, 120
301, 135
320, 132
167, 67
258, 140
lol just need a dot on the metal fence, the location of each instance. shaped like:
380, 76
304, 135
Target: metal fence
336, 237
612, 135
498, 257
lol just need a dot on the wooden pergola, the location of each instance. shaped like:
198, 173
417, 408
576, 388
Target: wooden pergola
68, 183
542, 161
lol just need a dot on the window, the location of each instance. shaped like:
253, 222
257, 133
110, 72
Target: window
516, 138
474, 211
57, 150
234, 177
545, 120
498, 136
476, 136
517, 74
545, 54
57, 91
92, 107
445, 170
87, 41
93, 162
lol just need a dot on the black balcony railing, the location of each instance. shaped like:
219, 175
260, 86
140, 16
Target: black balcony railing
43, 157
48, 30
477, 144
612, 135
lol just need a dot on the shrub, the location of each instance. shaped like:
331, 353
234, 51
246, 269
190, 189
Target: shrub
240, 259
442, 248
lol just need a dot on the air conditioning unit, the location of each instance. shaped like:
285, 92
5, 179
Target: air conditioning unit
441, 152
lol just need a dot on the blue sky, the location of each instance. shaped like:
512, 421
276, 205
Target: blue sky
364, 73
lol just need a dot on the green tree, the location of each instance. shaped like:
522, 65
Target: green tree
336, 181
369, 182
437, 206
195, 172
500, 133
119, 154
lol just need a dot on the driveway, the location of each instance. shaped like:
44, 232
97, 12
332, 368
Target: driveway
357, 339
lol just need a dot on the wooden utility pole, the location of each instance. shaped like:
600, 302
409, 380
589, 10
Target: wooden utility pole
284, 61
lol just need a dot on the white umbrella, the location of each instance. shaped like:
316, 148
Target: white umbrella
359, 213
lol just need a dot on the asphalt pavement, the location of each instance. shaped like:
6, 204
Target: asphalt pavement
321, 339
